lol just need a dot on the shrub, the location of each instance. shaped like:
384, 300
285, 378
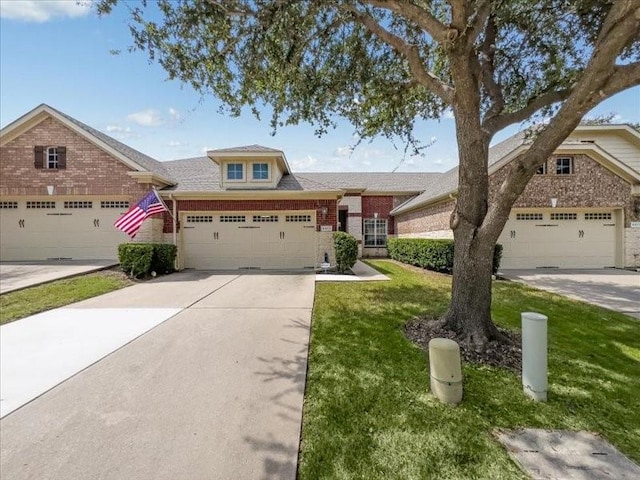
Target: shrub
432, 254
140, 259
346, 248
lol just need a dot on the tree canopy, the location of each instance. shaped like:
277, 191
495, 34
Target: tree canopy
385, 64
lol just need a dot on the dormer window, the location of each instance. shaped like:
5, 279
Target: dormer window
235, 171
260, 171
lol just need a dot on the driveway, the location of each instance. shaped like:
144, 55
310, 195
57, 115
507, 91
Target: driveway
614, 289
215, 391
18, 275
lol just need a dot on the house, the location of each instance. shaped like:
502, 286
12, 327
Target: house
580, 210
63, 184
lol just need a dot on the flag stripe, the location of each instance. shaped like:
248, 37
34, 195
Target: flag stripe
131, 221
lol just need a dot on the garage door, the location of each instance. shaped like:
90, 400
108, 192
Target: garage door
236, 240
563, 239
60, 229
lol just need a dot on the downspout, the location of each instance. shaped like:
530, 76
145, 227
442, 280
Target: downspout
175, 220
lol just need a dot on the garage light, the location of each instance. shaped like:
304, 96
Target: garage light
51, 189
554, 202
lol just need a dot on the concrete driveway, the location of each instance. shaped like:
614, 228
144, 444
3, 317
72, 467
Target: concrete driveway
213, 392
614, 289
19, 275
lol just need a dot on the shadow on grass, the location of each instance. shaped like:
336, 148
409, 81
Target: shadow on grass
367, 384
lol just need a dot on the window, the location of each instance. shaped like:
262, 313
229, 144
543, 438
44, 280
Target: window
199, 218
265, 218
232, 218
78, 204
261, 171
8, 204
114, 204
36, 204
528, 216
52, 158
542, 169
235, 171
597, 216
564, 216
298, 218
375, 232
564, 166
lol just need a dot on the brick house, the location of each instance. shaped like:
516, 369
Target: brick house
63, 184
581, 209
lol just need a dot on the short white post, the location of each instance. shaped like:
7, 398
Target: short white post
534, 355
446, 370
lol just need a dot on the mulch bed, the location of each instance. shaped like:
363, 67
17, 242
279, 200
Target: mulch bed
496, 354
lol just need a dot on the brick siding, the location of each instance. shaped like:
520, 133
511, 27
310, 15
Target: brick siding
89, 171
381, 205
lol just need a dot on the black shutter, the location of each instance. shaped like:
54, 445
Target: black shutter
62, 157
38, 160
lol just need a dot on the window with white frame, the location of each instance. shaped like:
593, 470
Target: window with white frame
235, 171
261, 171
52, 159
564, 166
375, 232
542, 169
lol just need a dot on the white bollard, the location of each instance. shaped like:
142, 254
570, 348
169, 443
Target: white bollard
534, 355
446, 370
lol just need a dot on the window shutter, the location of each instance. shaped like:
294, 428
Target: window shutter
38, 160
62, 157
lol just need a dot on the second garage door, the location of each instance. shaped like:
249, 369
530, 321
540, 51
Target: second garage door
562, 239
238, 240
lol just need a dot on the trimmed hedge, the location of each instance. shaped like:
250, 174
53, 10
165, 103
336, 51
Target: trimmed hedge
431, 254
140, 259
346, 248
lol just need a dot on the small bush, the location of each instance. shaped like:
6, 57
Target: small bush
432, 254
140, 259
346, 248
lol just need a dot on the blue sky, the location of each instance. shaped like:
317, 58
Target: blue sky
58, 52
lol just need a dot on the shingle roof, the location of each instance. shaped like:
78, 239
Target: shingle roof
201, 174
376, 181
145, 161
448, 181
247, 148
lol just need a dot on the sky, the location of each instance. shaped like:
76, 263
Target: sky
59, 53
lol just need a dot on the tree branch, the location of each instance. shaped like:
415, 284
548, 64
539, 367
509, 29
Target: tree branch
487, 56
623, 77
410, 52
417, 15
482, 14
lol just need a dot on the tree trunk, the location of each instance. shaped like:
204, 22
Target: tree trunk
469, 312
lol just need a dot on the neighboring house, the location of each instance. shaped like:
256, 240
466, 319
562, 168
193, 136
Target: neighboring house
581, 209
63, 184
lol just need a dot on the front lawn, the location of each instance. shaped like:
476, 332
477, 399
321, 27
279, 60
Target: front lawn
368, 413
22, 303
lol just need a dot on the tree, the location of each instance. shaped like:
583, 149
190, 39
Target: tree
384, 64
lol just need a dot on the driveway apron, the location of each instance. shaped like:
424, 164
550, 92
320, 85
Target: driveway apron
214, 392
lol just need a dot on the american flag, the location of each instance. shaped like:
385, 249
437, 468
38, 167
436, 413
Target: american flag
131, 221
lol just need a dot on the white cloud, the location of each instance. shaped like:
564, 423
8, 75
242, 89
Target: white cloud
118, 129
204, 150
174, 114
121, 132
43, 10
147, 118
448, 114
174, 143
343, 151
303, 164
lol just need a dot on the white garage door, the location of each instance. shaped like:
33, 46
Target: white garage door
563, 239
60, 229
234, 240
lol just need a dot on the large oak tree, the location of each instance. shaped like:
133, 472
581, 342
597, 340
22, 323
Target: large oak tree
384, 64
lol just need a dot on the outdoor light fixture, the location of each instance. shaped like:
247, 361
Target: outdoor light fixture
324, 211
375, 215
554, 202
51, 189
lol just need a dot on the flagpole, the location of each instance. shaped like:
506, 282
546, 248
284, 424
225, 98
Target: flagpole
155, 191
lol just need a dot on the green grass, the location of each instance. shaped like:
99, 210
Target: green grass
22, 303
368, 413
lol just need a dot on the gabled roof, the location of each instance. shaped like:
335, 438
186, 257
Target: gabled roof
379, 182
200, 174
249, 151
134, 159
